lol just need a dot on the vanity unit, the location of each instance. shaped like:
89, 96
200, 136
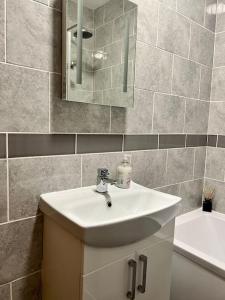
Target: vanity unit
96, 252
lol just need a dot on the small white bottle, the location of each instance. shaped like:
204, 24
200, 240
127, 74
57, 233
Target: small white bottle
124, 171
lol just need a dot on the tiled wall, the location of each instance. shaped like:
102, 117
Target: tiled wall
215, 162
173, 77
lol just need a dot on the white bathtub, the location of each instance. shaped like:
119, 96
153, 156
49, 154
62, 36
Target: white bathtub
198, 271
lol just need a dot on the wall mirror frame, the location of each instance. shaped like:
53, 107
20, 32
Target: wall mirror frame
99, 51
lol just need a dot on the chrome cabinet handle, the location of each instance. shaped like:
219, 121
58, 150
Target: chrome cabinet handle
133, 266
142, 287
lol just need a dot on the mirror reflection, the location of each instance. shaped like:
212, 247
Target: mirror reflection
99, 44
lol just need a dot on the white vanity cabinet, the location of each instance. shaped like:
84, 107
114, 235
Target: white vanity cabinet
75, 271
151, 282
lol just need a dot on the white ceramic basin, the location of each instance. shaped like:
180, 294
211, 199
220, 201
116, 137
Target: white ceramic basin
135, 213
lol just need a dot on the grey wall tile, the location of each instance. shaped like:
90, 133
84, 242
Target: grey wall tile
147, 21
173, 32
91, 162
218, 84
170, 189
218, 201
192, 9
169, 114
116, 97
210, 19
35, 40
99, 16
191, 194
114, 52
23, 100
200, 156
186, 76
149, 168
31, 177
102, 79
21, 145
3, 191
153, 68
119, 25
103, 35
113, 9
216, 118
99, 143
219, 57
76, 117
172, 141
21, 248
140, 142
215, 163
196, 116
122, 119
202, 45
5, 292
2, 30
2, 145
169, 3
180, 165
220, 22
118, 73
27, 288
205, 84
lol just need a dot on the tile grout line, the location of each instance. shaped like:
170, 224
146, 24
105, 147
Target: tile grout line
153, 111
158, 19
28, 68
49, 102
7, 172
11, 290
189, 43
172, 75
199, 85
81, 170
204, 22
194, 161
21, 219
5, 30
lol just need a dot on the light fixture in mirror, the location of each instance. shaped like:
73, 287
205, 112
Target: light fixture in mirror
99, 45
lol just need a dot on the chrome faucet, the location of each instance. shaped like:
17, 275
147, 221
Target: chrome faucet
103, 180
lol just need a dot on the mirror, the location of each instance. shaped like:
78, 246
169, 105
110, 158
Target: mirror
99, 45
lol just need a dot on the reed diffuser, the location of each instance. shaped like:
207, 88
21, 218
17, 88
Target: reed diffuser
209, 194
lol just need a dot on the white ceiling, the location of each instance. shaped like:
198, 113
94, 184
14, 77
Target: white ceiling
93, 4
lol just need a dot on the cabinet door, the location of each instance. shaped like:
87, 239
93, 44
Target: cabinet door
111, 282
158, 277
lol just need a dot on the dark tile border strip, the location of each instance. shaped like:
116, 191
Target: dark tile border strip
23, 145
2, 145
221, 141
97, 143
168, 141
140, 142
212, 140
194, 140
26, 145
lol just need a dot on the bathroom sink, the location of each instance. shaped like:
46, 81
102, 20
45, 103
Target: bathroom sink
135, 213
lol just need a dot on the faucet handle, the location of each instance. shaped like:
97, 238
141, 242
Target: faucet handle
103, 173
